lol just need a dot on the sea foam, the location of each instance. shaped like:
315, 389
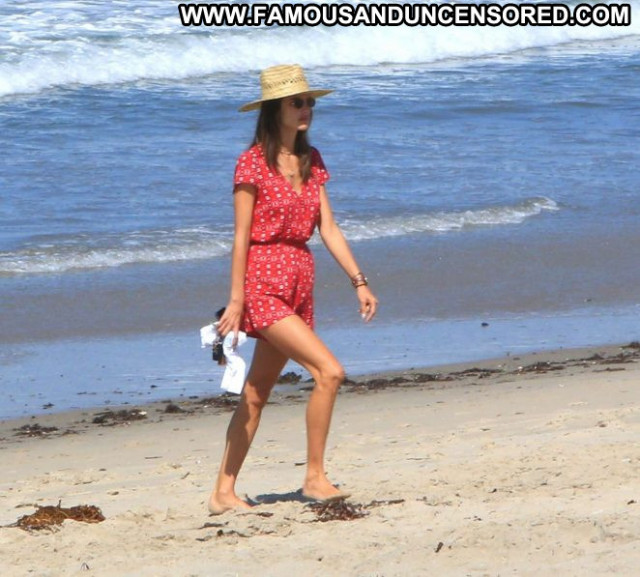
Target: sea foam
82, 253
67, 45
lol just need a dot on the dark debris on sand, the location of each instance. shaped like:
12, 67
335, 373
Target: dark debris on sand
289, 378
630, 354
381, 383
51, 517
226, 401
476, 373
339, 510
125, 416
36, 430
376, 384
343, 510
540, 368
376, 503
173, 409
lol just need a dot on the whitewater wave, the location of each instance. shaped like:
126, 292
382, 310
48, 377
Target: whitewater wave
90, 44
442, 222
83, 253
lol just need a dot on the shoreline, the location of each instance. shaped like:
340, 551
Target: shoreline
526, 464
68, 375
447, 375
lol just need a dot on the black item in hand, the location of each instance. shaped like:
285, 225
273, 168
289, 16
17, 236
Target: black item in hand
218, 354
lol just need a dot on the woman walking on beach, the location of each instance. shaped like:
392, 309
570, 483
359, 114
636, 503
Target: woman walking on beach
279, 200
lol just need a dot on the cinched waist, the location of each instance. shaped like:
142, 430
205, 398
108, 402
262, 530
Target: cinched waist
285, 242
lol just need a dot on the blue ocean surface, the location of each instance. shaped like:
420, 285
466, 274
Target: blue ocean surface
481, 175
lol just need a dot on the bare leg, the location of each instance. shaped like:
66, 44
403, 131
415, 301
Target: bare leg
266, 366
294, 339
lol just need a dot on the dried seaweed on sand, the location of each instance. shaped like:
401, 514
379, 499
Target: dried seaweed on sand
50, 516
34, 430
226, 401
338, 510
124, 416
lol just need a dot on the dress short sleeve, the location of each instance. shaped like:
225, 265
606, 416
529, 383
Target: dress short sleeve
247, 169
318, 169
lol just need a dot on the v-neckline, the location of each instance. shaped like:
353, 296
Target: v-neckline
298, 193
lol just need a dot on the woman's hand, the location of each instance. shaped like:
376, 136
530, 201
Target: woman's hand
231, 320
368, 303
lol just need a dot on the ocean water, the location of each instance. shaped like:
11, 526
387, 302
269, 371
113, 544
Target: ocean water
481, 176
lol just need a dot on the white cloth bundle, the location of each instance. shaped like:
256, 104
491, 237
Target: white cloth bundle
208, 335
234, 372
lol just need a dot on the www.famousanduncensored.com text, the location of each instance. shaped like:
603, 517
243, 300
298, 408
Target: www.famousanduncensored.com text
414, 14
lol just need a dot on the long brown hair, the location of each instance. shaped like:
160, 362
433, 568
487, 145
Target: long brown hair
268, 137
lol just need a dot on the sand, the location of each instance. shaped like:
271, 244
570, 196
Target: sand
517, 466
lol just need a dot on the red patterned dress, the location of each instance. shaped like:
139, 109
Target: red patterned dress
280, 270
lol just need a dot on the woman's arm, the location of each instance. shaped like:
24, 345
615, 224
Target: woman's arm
337, 245
243, 201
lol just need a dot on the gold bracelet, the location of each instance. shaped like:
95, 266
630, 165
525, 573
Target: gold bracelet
359, 280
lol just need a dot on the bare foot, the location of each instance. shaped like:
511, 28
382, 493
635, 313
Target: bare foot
321, 489
221, 503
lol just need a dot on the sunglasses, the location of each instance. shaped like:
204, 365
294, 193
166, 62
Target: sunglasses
298, 102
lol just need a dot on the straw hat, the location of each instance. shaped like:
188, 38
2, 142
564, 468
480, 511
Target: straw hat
280, 81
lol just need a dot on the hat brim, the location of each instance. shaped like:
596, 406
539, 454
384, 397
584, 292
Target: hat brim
257, 103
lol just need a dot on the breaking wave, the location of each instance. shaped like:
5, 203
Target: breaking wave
48, 44
88, 252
